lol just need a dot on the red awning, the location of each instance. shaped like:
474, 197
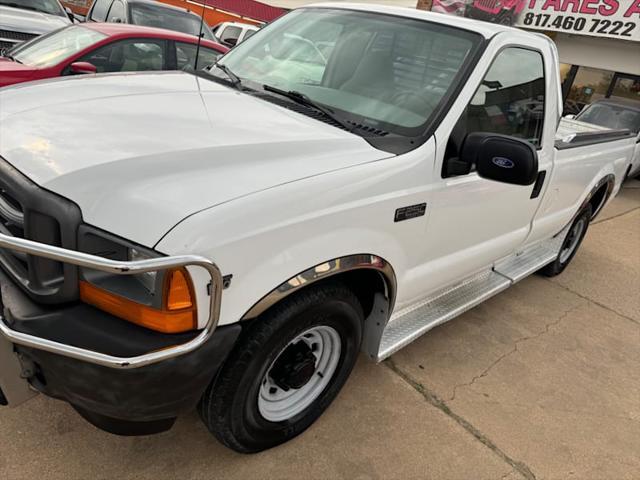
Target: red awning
247, 8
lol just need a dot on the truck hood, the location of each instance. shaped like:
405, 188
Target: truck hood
140, 152
28, 21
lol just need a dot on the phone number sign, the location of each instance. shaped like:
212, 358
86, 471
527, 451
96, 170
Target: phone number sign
600, 18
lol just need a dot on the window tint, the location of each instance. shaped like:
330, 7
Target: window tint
230, 34
128, 56
388, 74
510, 100
100, 9
157, 15
186, 55
117, 12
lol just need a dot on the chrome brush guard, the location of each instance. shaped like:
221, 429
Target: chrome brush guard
119, 268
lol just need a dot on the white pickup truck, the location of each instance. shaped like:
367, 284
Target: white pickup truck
343, 181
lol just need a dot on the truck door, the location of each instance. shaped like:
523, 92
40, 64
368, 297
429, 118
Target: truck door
474, 221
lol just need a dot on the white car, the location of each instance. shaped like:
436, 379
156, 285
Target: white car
232, 33
233, 240
22, 20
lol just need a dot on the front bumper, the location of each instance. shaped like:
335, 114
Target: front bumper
121, 377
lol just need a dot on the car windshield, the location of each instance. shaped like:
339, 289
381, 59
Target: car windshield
57, 46
156, 16
383, 72
616, 117
47, 6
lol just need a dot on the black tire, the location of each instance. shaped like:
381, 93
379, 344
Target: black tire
559, 264
229, 406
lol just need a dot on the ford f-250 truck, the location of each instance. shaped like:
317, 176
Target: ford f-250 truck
234, 239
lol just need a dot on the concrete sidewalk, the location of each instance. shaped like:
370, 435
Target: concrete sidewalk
542, 381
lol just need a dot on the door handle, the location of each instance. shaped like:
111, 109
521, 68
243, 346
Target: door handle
537, 187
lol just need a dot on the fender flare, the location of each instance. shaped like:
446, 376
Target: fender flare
610, 181
325, 270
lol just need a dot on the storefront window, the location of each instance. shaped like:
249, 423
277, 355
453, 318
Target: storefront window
626, 87
589, 85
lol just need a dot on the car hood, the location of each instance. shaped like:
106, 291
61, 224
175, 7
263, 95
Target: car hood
28, 21
140, 152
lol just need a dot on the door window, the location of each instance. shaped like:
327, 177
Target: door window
186, 56
230, 35
100, 9
626, 87
589, 85
509, 101
117, 12
128, 56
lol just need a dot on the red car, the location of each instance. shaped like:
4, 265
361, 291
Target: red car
105, 47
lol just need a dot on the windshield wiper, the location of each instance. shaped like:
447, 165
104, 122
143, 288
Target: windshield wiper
12, 58
235, 80
303, 99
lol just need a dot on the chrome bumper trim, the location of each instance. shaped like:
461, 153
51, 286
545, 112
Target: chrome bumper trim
119, 268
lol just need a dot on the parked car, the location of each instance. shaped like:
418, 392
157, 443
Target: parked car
232, 33
149, 13
233, 240
503, 12
22, 20
616, 113
103, 48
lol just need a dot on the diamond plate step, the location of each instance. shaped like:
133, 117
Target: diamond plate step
522, 264
410, 323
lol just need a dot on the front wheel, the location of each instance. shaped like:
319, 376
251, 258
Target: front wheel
571, 243
286, 369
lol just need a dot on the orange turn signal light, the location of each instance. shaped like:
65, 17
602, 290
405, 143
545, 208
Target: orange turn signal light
178, 313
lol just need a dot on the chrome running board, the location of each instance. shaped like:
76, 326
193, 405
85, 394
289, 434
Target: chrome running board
522, 264
411, 322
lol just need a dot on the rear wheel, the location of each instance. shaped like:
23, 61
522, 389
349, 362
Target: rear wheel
286, 369
571, 243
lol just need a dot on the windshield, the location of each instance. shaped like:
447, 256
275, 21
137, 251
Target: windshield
155, 16
57, 46
46, 6
385, 72
616, 117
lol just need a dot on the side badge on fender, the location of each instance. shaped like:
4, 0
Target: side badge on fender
412, 211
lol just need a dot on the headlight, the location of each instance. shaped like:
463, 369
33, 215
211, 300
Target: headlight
163, 300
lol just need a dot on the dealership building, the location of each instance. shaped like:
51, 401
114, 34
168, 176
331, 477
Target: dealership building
598, 40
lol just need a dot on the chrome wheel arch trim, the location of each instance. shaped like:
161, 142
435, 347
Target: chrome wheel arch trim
323, 271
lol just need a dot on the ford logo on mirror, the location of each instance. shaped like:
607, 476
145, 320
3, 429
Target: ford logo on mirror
503, 162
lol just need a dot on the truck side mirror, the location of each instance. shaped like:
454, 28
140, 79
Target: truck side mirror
501, 158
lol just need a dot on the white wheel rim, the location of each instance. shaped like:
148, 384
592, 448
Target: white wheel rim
274, 403
572, 240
